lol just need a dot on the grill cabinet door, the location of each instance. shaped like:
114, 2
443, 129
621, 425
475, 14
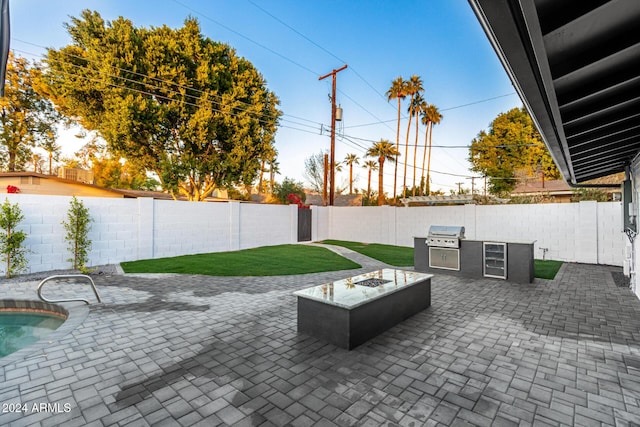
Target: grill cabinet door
445, 258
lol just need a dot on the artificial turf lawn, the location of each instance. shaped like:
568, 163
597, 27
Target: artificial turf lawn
399, 256
546, 269
264, 261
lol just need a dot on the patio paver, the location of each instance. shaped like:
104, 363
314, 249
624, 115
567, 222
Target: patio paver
199, 350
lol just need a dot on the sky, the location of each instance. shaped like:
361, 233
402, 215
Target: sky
292, 43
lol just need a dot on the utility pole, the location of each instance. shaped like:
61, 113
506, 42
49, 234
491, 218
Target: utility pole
324, 186
333, 130
459, 188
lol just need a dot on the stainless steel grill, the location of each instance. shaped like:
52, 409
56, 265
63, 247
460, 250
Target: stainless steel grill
445, 236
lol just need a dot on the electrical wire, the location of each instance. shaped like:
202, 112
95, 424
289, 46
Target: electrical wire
319, 47
217, 110
441, 109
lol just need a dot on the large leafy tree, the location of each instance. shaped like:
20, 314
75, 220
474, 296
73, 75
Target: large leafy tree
510, 147
26, 117
383, 150
178, 103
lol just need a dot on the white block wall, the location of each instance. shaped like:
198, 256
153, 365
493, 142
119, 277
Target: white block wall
131, 229
587, 232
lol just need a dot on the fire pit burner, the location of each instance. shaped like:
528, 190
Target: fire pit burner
372, 283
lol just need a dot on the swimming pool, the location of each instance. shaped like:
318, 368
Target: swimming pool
23, 323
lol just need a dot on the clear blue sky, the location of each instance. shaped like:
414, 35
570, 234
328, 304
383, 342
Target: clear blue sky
439, 40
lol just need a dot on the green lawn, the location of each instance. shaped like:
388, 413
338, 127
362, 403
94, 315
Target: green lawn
399, 256
546, 269
264, 261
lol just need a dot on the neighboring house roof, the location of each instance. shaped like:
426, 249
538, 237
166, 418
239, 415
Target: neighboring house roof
576, 66
558, 187
339, 199
554, 187
453, 199
77, 187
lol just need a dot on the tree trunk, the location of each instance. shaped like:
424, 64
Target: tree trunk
261, 175
395, 170
406, 152
12, 161
369, 185
50, 161
380, 191
415, 154
351, 179
424, 158
428, 184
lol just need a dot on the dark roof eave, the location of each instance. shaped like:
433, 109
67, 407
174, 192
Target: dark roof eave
522, 56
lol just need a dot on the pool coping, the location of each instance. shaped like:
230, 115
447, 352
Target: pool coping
76, 313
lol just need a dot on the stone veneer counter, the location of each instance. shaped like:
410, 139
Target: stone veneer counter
350, 311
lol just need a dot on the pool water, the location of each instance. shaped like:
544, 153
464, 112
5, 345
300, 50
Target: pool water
20, 329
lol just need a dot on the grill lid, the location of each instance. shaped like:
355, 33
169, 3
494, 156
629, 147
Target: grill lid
452, 231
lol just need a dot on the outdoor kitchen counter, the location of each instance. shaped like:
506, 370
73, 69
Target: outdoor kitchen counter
519, 254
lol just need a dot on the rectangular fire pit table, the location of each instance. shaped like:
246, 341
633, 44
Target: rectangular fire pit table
351, 311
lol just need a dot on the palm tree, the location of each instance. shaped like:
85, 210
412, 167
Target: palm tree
383, 150
37, 162
430, 116
412, 87
350, 160
371, 165
49, 145
397, 90
419, 104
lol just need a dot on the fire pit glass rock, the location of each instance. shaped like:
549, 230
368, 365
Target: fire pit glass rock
372, 283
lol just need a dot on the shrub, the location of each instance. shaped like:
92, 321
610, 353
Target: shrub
289, 186
77, 226
13, 253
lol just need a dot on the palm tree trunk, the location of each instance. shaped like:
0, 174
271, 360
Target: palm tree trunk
415, 154
427, 186
406, 153
369, 185
424, 158
380, 191
395, 170
351, 179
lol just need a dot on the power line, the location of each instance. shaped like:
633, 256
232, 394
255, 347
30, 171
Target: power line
441, 109
318, 46
247, 38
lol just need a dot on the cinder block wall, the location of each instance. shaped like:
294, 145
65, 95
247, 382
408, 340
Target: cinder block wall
130, 229
587, 232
